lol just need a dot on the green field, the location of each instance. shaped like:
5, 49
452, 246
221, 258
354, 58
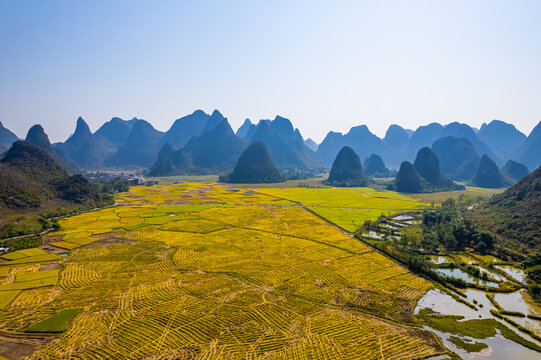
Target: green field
56, 323
207, 271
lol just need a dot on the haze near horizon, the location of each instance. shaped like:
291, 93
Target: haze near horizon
324, 66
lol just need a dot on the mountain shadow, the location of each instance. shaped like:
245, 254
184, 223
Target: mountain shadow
254, 166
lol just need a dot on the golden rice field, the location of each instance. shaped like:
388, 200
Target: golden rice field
205, 271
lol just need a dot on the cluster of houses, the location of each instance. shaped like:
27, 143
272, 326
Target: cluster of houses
133, 179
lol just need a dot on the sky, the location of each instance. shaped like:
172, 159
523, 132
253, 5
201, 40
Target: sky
326, 65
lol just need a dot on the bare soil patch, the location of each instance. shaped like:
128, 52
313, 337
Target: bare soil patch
51, 266
19, 347
109, 238
50, 249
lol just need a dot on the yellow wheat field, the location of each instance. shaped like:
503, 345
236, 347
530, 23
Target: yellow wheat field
223, 275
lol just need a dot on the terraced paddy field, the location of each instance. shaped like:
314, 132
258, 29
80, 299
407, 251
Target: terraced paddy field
205, 271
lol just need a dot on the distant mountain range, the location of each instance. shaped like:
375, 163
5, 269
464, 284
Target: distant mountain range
205, 143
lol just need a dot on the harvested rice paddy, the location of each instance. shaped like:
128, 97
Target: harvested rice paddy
206, 271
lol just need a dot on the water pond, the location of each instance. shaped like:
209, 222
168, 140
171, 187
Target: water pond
515, 273
439, 259
374, 235
460, 274
403, 217
499, 347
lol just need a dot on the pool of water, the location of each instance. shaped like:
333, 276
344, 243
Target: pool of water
499, 347
63, 255
439, 259
443, 303
518, 301
403, 217
515, 273
460, 274
374, 235
493, 275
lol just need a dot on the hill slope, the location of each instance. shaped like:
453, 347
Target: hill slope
29, 171
141, 148
427, 165
514, 214
458, 158
500, 136
216, 149
254, 166
514, 170
171, 162
85, 149
285, 144
185, 128
488, 175
347, 170
7, 137
529, 153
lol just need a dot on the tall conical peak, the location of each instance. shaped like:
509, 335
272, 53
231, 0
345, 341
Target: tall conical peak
82, 126
536, 130
283, 122
217, 113
37, 137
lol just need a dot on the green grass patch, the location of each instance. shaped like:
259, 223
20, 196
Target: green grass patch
349, 219
37, 275
50, 281
160, 220
6, 297
466, 345
32, 259
4, 271
55, 324
13, 256
131, 227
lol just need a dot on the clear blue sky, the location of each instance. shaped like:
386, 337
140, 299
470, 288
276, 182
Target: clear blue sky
326, 65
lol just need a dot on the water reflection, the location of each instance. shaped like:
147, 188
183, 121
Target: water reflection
439, 259
515, 273
499, 347
460, 274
